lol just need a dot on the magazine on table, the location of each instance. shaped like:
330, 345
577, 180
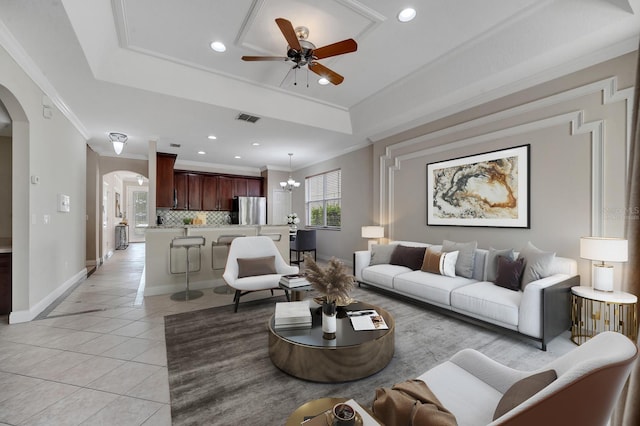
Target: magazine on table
368, 319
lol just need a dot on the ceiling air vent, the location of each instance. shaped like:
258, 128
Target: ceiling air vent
175, 145
246, 117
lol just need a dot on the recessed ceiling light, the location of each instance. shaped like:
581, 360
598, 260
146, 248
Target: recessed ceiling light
406, 15
201, 152
218, 46
323, 81
255, 144
237, 157
212, 137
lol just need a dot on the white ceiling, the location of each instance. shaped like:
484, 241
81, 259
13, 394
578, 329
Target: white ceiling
144, 67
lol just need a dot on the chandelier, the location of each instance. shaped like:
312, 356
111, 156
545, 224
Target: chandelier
118, 140
290, 184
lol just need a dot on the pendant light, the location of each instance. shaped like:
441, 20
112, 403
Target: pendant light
290, 184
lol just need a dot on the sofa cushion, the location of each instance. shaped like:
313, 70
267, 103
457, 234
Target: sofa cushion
522, 390
509, 273
464, 265
487, 301
537, 263
383, 275
431, 287
411, 257
491, 264
440, 263
381, 253
254, 266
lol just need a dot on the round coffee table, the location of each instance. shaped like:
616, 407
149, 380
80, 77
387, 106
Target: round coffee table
352, 355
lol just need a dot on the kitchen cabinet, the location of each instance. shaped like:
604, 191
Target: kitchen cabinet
254, 188
164, 179
188, 191
181, 188
211, 192
217, 193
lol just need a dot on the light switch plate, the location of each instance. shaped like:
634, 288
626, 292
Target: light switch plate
63, 203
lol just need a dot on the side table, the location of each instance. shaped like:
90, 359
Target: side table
594, 311
318, 406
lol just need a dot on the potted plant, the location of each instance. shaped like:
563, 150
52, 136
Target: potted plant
334, 284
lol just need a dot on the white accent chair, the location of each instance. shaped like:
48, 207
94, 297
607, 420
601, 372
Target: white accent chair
590, 379
254, 247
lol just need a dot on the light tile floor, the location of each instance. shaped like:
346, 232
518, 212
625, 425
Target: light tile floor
99, 357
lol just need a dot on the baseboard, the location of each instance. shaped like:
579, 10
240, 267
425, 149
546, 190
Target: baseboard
28, 315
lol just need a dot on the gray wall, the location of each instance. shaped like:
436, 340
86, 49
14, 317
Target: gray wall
5, 187
562, 121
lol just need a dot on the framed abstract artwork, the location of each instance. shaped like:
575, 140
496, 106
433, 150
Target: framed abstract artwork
490, 189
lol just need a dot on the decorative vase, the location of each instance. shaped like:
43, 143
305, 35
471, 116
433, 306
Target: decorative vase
328, 320
293, 228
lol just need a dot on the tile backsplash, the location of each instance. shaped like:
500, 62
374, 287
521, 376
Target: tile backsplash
175, 217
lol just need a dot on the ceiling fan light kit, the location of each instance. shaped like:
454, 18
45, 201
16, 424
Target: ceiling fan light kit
302, 52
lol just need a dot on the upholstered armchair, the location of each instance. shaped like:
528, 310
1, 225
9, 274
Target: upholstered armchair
253, 264
305, 241
588, 384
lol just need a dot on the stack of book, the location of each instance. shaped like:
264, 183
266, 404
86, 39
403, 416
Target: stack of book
294, 280
292, 315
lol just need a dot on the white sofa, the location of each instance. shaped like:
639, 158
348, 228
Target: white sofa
540, 312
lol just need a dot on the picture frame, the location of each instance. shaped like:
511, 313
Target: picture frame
117, 204
483, 190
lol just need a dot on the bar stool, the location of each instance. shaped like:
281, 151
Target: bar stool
187, 243
223, 241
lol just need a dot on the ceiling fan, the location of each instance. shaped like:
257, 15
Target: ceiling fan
303, 52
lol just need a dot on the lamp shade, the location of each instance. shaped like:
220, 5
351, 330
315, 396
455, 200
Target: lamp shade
372, 232
604, 249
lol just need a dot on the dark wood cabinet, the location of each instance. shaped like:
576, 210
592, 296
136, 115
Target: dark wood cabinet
209, 192
254, 188
188, 191
164, 179
181, 188
5, 283
195, 192
225, 193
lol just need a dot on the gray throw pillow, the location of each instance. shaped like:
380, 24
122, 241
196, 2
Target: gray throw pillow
491, 264
464, 265
522, 390
253, 266
537, 263
381, 254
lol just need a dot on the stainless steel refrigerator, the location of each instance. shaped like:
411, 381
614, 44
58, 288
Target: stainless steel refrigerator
249, 211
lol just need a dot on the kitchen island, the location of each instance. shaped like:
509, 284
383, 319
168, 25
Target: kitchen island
165, 267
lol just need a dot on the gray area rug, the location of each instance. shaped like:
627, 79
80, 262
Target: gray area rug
220, 372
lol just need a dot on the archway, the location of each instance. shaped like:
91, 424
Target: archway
19, 237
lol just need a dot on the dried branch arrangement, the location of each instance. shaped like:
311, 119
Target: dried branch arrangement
333, 282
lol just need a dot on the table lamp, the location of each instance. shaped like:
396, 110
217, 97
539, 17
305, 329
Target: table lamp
603, 249
372, 232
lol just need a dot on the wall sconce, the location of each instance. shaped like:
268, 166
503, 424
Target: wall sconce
373, 233
118, 140
603, 249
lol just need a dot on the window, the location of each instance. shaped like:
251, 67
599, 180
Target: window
323, 199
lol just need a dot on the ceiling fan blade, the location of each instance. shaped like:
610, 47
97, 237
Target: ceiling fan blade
327, 73
289, 33
265, 58
339, 48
